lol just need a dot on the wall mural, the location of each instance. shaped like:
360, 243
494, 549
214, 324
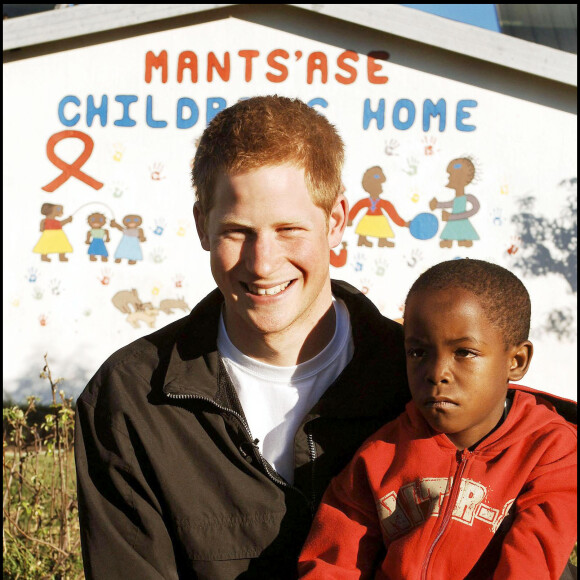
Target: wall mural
100, 242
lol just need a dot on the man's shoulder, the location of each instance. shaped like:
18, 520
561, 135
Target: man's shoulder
365, 315
139, 362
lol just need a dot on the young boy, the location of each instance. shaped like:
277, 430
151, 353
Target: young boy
477, 478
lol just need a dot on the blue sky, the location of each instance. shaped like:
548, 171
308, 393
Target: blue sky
482, 15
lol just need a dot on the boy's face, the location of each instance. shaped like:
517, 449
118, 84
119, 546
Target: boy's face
457, 364
270, 251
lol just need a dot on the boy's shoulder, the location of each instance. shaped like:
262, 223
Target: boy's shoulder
565, 408
391, 437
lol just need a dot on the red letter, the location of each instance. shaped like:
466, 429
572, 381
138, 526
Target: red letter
373, 66
187, 59
277, 66
248, 55
346, 67
223, 71
317, 60
156, 61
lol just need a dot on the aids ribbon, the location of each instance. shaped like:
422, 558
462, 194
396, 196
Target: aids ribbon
68, 169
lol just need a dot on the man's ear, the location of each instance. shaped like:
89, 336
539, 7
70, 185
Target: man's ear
337, 221
200, 224
520, 360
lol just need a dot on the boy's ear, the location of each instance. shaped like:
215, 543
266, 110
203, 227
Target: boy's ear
200, 223
520, 360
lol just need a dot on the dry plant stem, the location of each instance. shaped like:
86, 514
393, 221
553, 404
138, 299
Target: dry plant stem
35, 540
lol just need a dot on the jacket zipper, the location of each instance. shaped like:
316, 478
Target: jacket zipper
269, 472
312, 452
465, 455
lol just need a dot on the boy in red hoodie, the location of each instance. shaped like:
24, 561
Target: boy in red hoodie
477, 478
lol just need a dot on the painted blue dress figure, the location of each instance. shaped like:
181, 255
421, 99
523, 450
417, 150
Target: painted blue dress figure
461, 172
97, 236
129, 247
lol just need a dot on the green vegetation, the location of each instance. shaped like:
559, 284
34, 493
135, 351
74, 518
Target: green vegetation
41, 532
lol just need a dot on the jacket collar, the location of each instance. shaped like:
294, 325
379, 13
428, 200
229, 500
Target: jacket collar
194, 365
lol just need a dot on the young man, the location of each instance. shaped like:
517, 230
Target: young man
203, 449
477, 479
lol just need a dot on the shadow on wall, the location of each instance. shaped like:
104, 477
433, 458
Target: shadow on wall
550, 246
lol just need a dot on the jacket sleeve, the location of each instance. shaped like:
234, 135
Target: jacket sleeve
345, 539
122, 531
542, 535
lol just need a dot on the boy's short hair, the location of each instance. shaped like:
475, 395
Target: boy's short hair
503, 296
266, 131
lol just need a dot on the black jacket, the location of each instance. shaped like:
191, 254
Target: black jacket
170, 484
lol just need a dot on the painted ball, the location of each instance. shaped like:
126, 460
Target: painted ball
424, 226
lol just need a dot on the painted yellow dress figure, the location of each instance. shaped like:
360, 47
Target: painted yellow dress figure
53, 240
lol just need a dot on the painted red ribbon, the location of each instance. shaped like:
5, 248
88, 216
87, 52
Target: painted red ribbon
68, 169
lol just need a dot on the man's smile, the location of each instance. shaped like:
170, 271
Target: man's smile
270, 291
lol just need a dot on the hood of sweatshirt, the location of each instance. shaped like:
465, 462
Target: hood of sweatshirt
528, 413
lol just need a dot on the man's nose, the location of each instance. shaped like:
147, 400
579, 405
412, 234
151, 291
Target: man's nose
261, 255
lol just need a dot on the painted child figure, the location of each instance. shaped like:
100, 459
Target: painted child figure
129, 247
477, 478
97, 236
375, 223
461, 172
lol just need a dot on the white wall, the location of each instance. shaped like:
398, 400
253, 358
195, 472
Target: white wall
524, 153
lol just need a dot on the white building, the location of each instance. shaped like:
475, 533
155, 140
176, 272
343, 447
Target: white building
103, 105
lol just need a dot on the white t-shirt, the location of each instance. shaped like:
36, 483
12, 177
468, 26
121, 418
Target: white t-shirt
276, 399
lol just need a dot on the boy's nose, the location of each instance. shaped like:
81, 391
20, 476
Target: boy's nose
438, 372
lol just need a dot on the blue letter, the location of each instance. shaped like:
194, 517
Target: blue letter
194, 113
150, 120
125, 100
369, 114
214, 106
317, 101
92, 110
461, 114
407, 104
432, 110
68, 122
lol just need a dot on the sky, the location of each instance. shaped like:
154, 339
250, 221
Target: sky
482, 15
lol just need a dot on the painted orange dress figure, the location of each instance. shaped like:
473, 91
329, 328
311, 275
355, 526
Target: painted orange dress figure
129, 246
96, 237
53, 240
375, 223
461, 172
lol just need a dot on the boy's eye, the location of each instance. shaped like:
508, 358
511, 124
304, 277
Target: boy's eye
464, 353
415, 352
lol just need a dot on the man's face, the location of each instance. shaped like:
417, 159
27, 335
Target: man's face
270, 248
457, 364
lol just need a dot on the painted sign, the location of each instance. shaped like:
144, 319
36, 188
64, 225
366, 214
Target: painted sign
100, 245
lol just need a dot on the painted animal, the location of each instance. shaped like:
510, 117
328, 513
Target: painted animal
169, 303
148, 316
124, 299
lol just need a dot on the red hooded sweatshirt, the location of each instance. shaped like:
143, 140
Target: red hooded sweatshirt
411, 506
